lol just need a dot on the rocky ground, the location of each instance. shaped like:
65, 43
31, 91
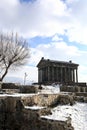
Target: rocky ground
15, 116
40, 109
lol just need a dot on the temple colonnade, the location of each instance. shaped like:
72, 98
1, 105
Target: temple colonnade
58, 74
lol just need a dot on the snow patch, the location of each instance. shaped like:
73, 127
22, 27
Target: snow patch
17, 95
34, 107
77, 113
50, 89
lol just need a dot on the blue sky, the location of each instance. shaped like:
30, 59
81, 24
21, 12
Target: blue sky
55, 29
27, 1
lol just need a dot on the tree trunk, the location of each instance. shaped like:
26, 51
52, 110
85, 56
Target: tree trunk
6, 71
0, 79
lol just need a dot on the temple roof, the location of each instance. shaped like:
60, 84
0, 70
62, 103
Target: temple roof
46, 61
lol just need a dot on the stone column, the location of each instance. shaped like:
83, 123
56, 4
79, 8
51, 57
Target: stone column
39, 75
73, 75
42, 74
61, 74
65, 76
48, 73
57, 74
70, 74
76, 76
52, 73
45, 74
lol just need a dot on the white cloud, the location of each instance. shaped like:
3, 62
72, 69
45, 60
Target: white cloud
58, 50
45, 18
78, 29
82, 73
56, 38
18, 75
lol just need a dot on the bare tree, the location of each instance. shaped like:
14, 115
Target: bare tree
14, 51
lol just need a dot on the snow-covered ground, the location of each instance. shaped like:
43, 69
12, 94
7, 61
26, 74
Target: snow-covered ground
34, 107
18, 95
77, 113
50, 89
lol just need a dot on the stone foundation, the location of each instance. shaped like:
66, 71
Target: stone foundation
80, 92
73, 89
14, 116
14, 88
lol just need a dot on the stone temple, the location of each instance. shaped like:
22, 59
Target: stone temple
52, 71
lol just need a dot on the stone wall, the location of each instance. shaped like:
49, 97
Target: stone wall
9, 86
13, 88
40, 99
56, 125
28, 89
10, 91
48, 99
73, 88
14, 116
80, 97
80, 92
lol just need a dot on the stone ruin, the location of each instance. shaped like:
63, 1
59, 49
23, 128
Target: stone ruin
16, 110
15, 116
